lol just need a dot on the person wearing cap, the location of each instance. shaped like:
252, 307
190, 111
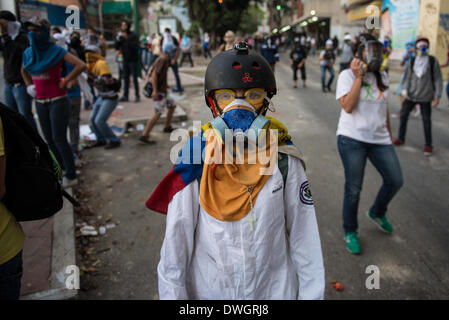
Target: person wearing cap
364, 133
298, 61
347, 53
128, 44
13, 42
42, 65
239, 229
158, 77
327, 60
101, 78
423, 85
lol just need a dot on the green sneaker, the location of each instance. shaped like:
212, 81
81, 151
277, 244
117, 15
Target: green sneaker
352, 242
382, 223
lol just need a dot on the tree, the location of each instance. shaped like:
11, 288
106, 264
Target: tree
251, 19
216, 18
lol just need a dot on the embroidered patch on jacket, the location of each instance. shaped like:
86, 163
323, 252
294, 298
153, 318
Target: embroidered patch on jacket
305, 193
276, 189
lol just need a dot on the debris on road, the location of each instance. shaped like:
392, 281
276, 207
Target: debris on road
337, 286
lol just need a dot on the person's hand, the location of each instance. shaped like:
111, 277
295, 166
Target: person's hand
31, 91
155, 95
173, 61
62, 84
357, 68
435, 102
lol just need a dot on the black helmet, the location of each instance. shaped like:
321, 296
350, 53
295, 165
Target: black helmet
239, 68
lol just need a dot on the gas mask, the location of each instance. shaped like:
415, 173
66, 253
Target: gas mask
422, 51
239, 113
371, 54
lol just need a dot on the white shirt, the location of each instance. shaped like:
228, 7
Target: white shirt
368, 121
205, 258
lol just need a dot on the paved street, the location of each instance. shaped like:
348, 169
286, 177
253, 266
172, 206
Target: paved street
413, 261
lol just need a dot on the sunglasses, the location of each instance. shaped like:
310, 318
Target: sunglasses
254, 96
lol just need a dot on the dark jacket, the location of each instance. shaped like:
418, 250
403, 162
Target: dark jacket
129, 47
12, 55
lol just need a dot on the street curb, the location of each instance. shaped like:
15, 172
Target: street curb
63, 254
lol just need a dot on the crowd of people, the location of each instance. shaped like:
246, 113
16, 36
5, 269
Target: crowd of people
59, 68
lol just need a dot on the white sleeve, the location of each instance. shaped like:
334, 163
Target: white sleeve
303, 235
344, 83
177, 249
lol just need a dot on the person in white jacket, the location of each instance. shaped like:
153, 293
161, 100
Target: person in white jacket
231, 232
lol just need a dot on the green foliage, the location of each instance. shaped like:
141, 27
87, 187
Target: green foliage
252, 17
216, 18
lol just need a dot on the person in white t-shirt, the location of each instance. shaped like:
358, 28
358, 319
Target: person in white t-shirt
364, 133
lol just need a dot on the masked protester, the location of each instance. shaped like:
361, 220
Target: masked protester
42, 71
269, 50
327, 60
128, 44
298, 61
13, 42
364, 133
246, 229
346, 53
408, 55
107, 87
423, 85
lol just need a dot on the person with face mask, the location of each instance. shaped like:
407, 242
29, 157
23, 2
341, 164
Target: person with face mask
423, 85
269, 50
128, 44
327, 60
298, 61
346, 53
13, 42
246, 229
42, 65
408, 55
364, 133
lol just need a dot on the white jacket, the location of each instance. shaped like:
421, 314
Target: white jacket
204, 258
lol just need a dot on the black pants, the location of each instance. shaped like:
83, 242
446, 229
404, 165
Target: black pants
130, 68
295, 71
426, 110
186, 55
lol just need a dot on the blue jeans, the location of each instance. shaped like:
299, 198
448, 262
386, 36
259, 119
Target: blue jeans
54, 120
17, 98
130, 69
10, 277
323, 76
174, 67
100, 114
353, 155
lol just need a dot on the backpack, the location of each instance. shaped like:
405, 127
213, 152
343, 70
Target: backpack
329, 54
431, 62
33, 176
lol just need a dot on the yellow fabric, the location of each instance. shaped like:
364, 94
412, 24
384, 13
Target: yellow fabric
97, 64
11, 234
229, 190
